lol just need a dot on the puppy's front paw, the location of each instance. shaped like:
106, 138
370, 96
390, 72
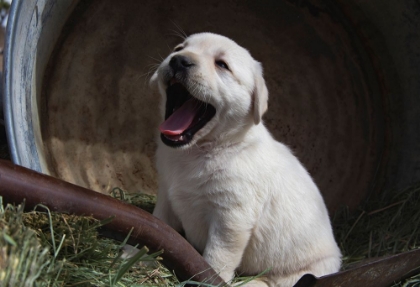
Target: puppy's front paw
226, 275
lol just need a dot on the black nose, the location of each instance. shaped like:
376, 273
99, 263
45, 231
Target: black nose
180, 63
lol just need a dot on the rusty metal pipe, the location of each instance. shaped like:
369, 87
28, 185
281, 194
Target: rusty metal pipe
375, 272
18, 183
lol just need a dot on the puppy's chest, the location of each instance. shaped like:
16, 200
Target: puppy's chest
197, 181
196, 190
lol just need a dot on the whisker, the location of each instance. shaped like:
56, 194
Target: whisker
153, 66
169, 48
175, 34
145, 76
156, 59
180, 30
161, 58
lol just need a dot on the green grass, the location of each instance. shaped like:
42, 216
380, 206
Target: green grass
4, 5
54, 249
385, 225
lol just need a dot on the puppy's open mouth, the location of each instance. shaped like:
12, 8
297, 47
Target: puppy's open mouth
184, 116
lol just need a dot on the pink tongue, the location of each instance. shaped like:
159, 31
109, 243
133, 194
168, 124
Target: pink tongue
181, 119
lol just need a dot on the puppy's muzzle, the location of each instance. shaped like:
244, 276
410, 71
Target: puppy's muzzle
185, 115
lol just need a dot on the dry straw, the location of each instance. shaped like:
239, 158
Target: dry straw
43, 248
55, 249
387, 224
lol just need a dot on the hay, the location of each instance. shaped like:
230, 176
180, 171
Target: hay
55, 249
144, 201
4, 4
385, 225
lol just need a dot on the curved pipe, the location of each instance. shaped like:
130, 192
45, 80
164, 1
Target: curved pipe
18, 183
8, 60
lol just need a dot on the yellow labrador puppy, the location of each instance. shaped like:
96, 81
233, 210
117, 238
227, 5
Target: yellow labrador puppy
242, 199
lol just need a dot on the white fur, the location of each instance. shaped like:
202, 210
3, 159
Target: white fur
243, 199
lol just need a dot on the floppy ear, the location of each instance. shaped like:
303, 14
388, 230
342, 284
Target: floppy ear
259, 95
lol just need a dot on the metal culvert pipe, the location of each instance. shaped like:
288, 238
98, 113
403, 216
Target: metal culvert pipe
343, 78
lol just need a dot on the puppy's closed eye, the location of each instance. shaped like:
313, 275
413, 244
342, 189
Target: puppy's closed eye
222, 64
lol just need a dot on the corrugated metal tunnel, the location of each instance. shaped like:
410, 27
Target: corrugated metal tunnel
343, 78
